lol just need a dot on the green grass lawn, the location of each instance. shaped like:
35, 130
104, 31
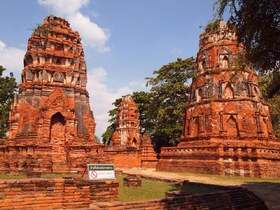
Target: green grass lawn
153, 190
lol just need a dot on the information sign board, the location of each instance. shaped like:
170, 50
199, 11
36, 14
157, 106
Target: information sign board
101, 171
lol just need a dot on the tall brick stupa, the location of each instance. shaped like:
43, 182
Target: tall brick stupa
227, 128
128, 148
128, 128
51, 124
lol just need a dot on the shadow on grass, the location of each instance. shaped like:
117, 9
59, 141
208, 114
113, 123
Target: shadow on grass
267, 191
192, 189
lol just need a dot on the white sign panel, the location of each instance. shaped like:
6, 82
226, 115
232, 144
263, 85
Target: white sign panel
101, 171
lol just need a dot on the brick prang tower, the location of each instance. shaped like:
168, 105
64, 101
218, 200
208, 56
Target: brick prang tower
128, 128
227, 128
51, 124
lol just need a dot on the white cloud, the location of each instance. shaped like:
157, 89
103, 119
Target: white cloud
11, 58
94, 14
92, 35
174, 50
2, 46
101, 98
63, 7
137, 84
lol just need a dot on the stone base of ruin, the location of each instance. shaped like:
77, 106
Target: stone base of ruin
132, 181
20, 158
148, 156
247, 157
127, 156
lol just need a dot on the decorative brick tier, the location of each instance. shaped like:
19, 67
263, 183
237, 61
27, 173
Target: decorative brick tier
148, 155
247, 158
227, 127
68, 193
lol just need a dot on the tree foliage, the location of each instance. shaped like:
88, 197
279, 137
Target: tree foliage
8, 87
266, 83
257, 25
107, 135
161, 109
97, 139
169, 96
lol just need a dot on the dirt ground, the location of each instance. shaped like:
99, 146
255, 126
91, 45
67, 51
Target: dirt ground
267, 189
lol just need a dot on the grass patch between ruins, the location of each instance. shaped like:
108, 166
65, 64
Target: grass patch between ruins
153, 190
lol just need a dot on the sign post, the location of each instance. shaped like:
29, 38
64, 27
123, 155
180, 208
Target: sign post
101, 171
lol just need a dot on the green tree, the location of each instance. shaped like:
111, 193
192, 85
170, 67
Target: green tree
161, 110
8, 87
142, 100
97, 139
257, 26
266, 83
169, 96
107, 135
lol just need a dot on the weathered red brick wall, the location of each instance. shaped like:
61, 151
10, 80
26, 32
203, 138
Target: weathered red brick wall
20, 159
126, 158
55, 193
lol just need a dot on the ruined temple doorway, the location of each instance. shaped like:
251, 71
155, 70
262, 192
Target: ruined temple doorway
232, 127
57, 142
134, 142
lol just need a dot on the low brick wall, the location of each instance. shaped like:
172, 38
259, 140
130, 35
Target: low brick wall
66, 193
239, 198
125, 158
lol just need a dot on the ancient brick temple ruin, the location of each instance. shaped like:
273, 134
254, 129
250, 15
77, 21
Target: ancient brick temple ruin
227, 128
128, 148
128, 128
51, 124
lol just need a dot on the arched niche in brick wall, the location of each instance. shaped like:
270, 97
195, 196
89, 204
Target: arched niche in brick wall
57, 142
134, 142
264, 127
228, 92
232, 127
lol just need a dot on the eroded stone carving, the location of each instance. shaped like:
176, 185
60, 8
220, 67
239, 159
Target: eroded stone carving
58, 77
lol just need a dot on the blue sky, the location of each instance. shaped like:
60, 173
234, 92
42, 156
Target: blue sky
124, 40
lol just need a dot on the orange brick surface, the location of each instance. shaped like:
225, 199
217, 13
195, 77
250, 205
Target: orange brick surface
51, 125
227, 128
